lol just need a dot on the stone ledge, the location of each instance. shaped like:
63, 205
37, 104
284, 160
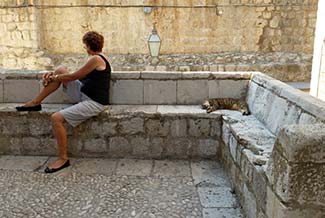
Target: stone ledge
163, 131
303, 100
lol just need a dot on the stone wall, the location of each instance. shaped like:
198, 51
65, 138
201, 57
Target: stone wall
38, 34
318, 70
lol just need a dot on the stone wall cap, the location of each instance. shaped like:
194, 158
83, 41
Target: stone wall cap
186, 110
232, 75
307, 102
126, 74
302, 143
161, 75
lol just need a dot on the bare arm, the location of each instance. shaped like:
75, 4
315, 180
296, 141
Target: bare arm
89, 66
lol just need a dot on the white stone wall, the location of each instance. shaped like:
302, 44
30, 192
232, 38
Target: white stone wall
318, 69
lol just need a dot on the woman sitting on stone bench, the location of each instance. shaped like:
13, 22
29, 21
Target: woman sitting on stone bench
89, 86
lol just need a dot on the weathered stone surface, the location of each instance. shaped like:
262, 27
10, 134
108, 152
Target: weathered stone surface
222, 212
192, 91
249, 203
119, 147
157, 127
141, 146
180, 147
133, 167
95, 166
227, 88
207, 148
178, 128
27, 88
208, 174
163, 75
217, 197
27, 163
159, 92
96, 145
171, 168
125, 75
127, 92
131, 126
199, 127
104, 128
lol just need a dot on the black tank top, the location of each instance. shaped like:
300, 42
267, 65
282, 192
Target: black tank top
96, 84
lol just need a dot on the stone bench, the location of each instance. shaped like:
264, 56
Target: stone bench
150, 131
275, 156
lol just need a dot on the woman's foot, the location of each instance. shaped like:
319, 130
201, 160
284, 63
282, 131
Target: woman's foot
30, 106
57, 165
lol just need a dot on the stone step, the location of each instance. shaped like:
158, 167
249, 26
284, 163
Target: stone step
96, 187
122, 131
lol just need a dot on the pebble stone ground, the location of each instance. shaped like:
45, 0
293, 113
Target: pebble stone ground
115, 188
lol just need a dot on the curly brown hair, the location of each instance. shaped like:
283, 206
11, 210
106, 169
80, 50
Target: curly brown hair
94, 40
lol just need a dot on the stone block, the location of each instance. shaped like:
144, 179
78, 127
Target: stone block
199, 127
205, 148
40, 126
178, 148
132, 109
95, 166
233, 144
216, 128
16, 126
196, 75
222, 212
141, 147
192, 91
10, 145
178, 168
178, 128
131, 167
157, 127
157, 75
306, 118
96, 145
249, 203
126, 92
159, 92
21, 90
278, 112
186, 111
208, 174
157, 147
217, 197
226, 133
227, 88
119, 147
23, 163
108, 128
118, 75
57, 97
131, 126
259, 186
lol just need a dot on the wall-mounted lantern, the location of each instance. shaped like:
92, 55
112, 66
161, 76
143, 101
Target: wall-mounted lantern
154, 42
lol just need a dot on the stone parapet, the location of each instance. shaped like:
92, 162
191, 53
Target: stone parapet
137, 88
181, 132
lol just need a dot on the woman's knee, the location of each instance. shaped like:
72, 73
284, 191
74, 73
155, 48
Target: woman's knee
61, 70
57, 118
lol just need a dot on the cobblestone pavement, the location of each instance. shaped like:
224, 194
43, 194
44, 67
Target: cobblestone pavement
115, 188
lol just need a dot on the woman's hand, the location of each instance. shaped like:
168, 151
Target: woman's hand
46, 78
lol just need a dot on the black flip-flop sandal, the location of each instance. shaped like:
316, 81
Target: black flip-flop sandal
53, 170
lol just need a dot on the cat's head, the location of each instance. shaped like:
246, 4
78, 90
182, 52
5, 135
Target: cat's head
205, 104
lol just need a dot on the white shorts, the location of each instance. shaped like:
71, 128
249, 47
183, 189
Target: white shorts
83, 110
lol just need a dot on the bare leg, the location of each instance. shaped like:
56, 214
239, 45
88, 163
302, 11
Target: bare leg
46, 91
60, 134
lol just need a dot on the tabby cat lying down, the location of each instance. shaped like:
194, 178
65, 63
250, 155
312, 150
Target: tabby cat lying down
214, 104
